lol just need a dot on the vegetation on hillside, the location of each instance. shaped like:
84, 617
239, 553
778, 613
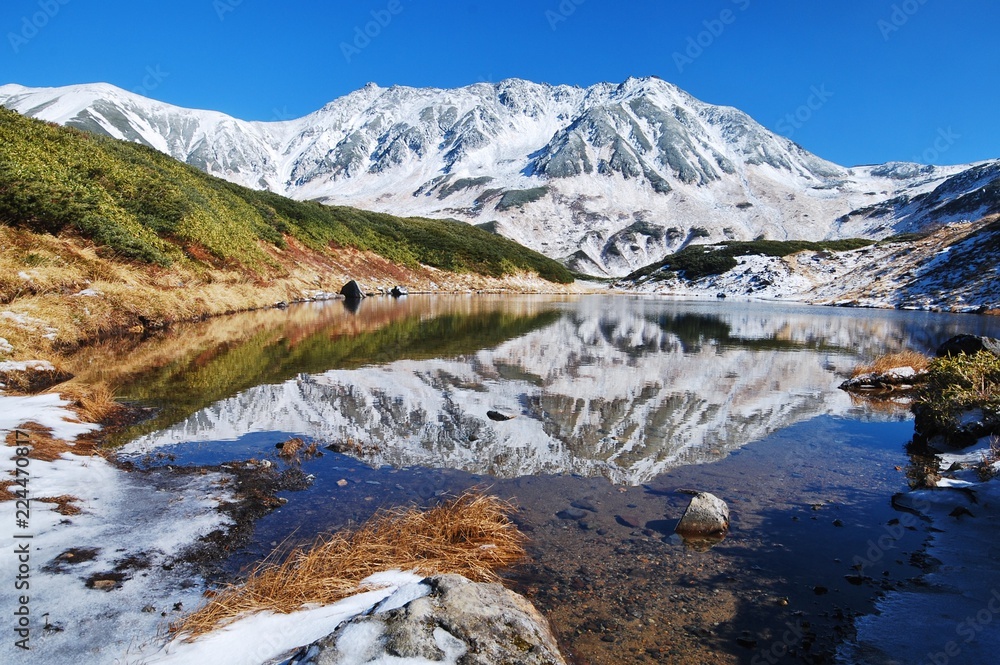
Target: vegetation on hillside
140, 205
697, 261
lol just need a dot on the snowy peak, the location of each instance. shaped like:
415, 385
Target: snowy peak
607, 178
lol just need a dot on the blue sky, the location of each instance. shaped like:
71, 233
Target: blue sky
855, 81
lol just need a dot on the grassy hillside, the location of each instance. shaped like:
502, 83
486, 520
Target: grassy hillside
139, 205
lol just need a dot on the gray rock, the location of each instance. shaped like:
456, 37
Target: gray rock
445, 619
898, 379
706, 515
351, 291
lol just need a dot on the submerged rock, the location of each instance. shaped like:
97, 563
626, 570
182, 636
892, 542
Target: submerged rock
443, 619
706, 516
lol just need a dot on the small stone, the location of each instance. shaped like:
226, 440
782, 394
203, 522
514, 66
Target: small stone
571, 514
629, 520
104, 585
497, 416
342, 482
583, 504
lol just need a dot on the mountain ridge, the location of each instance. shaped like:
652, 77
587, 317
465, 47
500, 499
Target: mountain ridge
606, 178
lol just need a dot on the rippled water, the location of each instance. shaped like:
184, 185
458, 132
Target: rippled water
616, 402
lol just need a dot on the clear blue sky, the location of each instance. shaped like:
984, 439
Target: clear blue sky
886, 79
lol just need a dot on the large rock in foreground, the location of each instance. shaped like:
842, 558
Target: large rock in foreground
706, 516
443, 619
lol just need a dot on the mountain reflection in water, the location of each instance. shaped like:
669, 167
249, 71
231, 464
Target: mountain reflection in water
600, 386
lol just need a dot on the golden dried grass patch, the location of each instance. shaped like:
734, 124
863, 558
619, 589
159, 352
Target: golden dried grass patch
884, 363
43, 447
92, 403
64, 504
471, 535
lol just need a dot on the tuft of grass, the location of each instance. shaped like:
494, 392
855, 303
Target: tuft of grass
92, 403
918, 361
64, 504
986, 469
960, 383
470, 535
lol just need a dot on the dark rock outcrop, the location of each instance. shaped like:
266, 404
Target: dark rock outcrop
968, 345
351, 291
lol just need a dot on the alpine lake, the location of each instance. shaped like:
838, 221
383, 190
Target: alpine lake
620, 406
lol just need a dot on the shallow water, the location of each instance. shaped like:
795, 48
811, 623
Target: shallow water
617, 402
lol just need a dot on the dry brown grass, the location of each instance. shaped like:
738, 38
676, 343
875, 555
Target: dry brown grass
295, 450
92, 403
471, 535
64, 504
43, 447
884, 363
41, 277
985, 469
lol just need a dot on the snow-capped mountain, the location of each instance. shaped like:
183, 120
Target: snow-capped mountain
607, 178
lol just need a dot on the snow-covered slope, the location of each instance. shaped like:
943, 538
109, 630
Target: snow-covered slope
608, 178
951, 268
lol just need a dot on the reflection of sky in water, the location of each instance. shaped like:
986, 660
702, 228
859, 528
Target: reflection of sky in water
617, 387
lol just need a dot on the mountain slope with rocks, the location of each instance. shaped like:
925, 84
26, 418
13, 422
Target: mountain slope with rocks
951, 268
606, 179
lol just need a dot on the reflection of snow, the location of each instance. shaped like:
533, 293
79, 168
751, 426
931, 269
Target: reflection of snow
610, 389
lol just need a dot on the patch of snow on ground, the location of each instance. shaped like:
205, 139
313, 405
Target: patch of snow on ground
266, 636
130, 525
954, 618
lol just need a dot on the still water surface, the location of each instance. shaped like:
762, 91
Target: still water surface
617, 402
